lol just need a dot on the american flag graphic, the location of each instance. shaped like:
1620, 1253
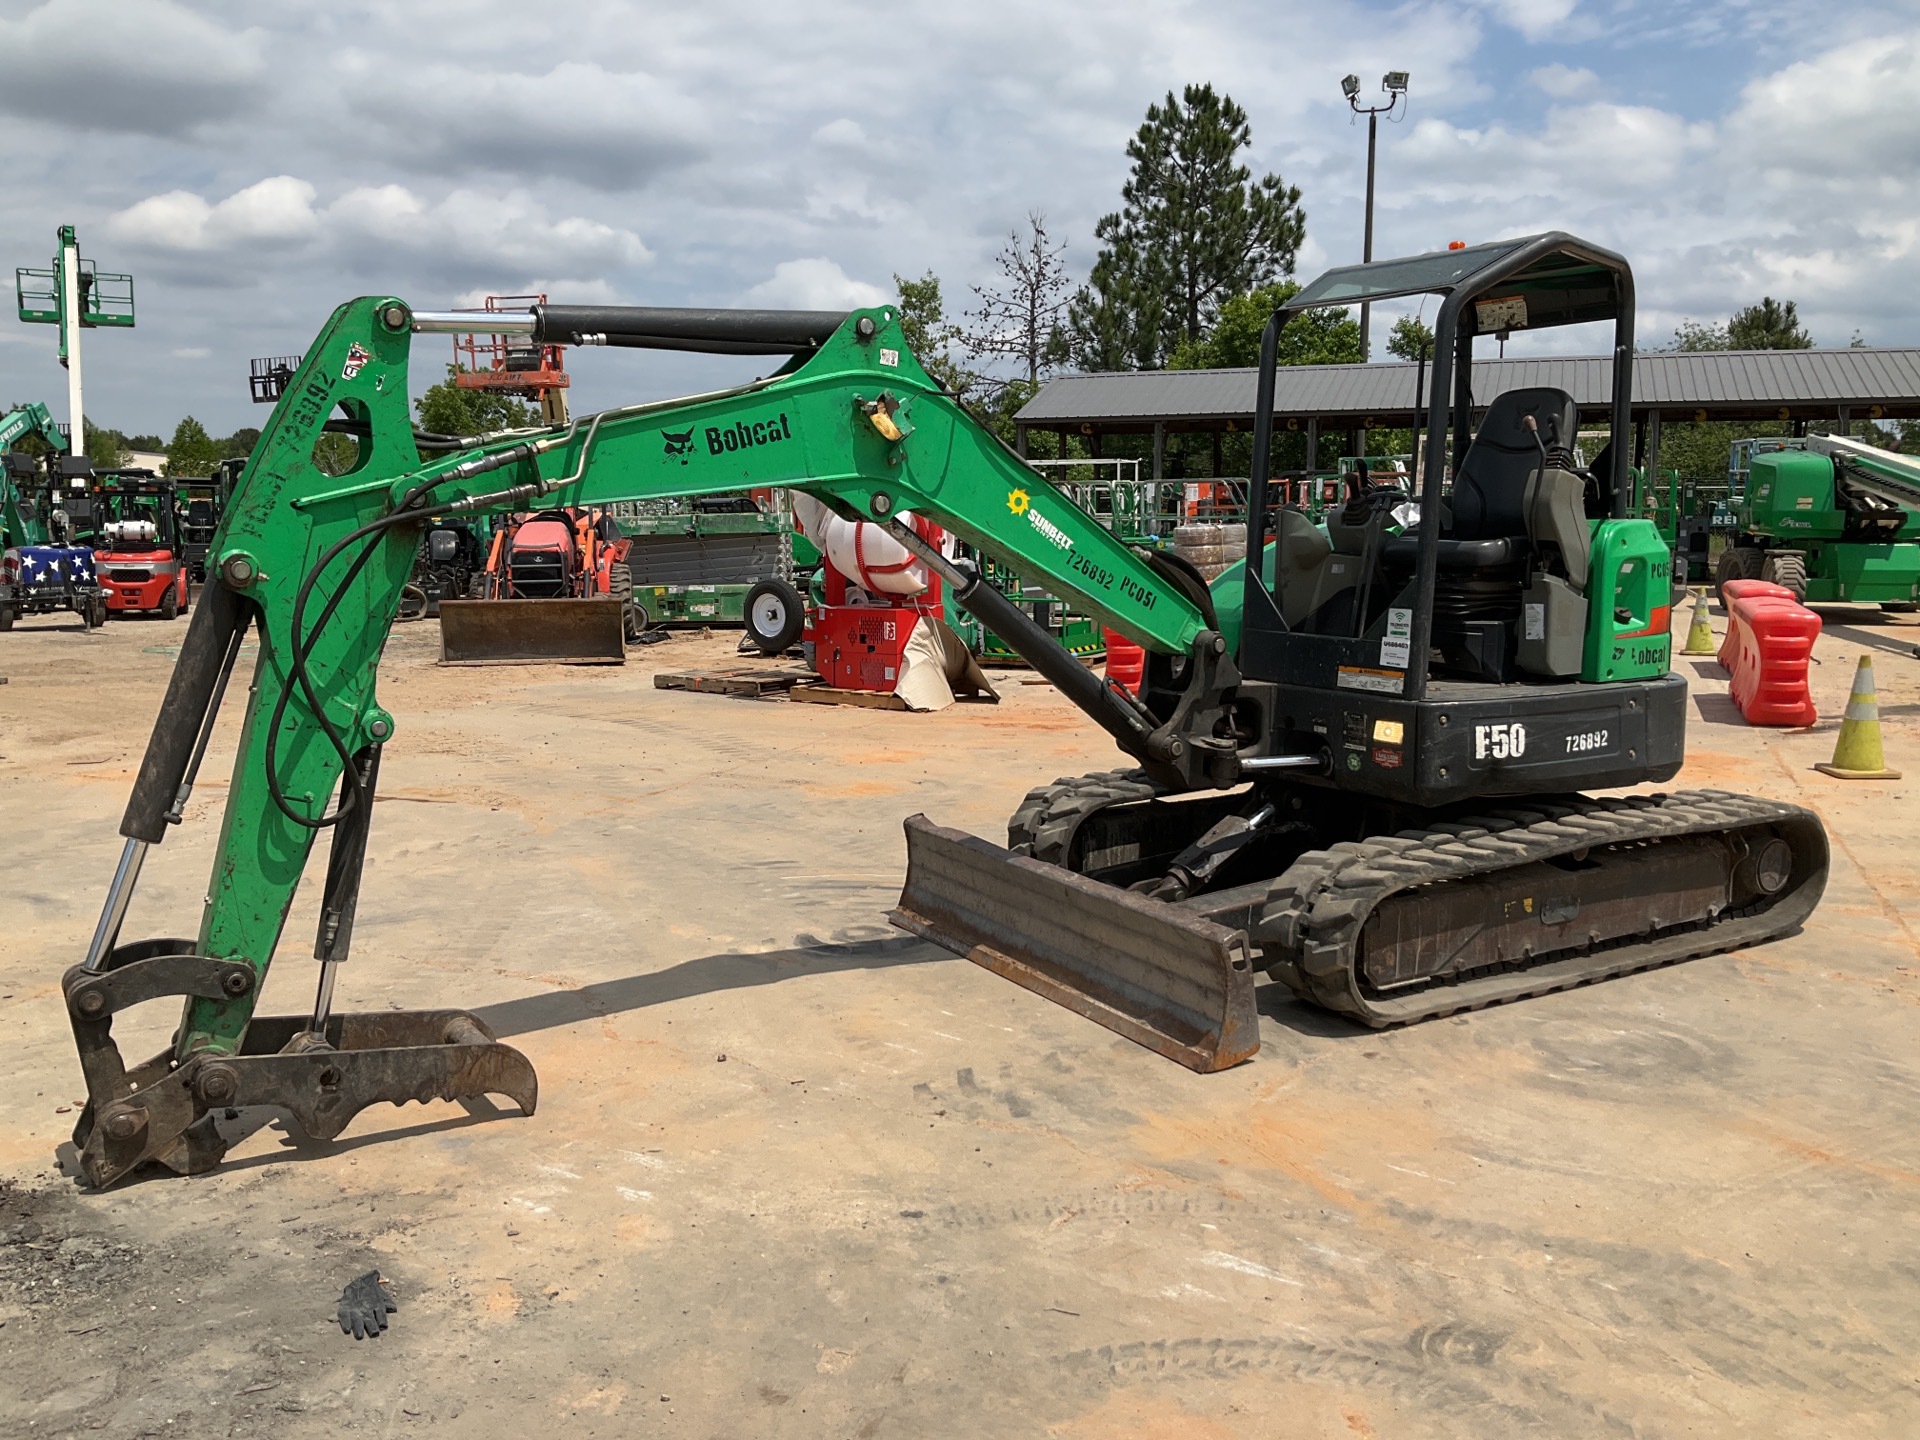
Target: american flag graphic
55, 564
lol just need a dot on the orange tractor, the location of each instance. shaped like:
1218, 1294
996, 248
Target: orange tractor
556, 588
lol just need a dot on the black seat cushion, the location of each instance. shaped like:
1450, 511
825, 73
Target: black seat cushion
1456, 554
1489, 493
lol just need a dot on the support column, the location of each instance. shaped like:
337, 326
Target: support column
1846, 421
1652, 461
1313, 444
70, 327
1159, 449
1020, 441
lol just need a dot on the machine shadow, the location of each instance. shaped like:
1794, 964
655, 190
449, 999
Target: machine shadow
713, 973
705, 976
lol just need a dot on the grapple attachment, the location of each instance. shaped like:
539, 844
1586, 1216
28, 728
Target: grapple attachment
1176, 983
163, 1111
533, 632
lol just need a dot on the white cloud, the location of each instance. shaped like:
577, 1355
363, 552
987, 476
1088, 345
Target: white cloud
1565, 83
191, 352
279, 208
1848, 116
1535, 19
511, 231
815, 283
1581, 151
147, 66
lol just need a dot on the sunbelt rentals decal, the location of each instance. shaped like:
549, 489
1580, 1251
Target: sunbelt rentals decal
1019, 502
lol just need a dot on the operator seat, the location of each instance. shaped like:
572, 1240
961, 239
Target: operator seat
1489, 502
1509, 519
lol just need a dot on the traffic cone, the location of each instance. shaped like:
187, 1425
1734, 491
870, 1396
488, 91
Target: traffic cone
1857, 754
1700, 633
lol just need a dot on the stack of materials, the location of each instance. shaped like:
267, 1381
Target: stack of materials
1209, 547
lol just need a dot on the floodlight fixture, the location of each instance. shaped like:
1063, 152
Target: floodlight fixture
1395, 82
1350, 86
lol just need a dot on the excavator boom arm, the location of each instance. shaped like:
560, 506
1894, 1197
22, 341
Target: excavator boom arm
317, 563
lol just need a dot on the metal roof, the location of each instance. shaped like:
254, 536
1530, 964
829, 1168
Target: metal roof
1736, 383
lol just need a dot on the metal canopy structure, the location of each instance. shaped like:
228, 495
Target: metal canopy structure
1823, 385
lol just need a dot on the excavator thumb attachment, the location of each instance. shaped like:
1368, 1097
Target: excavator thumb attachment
533, 632
1173, 982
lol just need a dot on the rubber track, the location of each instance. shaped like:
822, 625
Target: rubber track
1045, 823
1316, 928
1316, 910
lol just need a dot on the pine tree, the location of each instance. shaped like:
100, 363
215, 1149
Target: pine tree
1194, 230
1770, 325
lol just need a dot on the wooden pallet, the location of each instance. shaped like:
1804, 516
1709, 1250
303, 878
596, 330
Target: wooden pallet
746, 680
833, 695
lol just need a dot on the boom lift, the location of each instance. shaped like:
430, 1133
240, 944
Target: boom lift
1832, 519
1369, 791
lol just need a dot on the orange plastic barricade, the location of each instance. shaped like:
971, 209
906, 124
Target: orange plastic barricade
1732, 591
1126, 662
1769, 641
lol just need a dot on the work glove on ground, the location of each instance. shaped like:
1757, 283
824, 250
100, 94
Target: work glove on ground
365, 1305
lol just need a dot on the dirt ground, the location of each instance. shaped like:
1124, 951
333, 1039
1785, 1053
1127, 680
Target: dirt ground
796, 1174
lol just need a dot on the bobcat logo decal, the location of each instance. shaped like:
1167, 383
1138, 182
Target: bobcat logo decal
678, 442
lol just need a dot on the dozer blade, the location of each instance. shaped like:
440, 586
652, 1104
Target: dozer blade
1170, 981
532, 632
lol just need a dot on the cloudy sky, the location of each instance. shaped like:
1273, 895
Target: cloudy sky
254, 165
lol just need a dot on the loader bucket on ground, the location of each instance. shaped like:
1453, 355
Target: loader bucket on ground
1175, 983
532, 632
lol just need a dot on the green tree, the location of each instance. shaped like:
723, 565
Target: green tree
1318, 337
446, 409
335, 454
191, 451
1193, 231
1696, 335
1113, 320
923, 320
1770, 325
239, 445
105, 448
1410, 338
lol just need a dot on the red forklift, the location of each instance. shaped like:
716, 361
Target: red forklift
137, 548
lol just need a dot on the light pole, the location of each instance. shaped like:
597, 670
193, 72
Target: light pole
1394, 84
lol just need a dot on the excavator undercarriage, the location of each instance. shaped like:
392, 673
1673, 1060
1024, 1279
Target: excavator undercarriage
1386, 923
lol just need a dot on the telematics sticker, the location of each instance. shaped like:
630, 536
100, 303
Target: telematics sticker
1382, 682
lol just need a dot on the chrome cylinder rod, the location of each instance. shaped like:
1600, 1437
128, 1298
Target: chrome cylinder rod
119, 896
471, 322
1316, 761
323, 999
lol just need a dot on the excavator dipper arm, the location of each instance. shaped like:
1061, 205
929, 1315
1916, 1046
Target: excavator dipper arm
315, 563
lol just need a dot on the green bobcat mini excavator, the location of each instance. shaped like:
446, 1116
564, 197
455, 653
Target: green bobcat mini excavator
1367, 787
